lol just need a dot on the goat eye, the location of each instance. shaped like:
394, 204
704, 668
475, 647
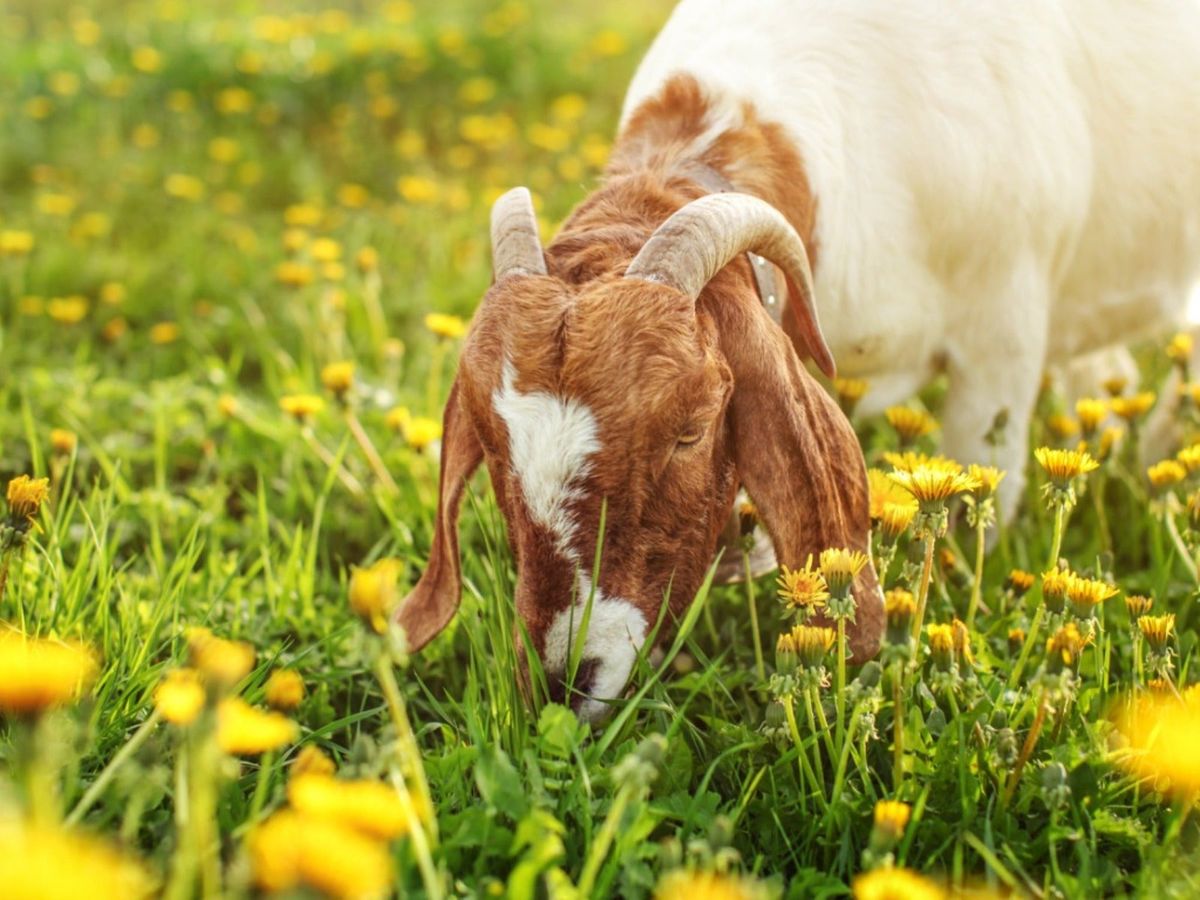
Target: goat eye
689, 437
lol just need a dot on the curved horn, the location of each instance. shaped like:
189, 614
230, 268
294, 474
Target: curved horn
702, 238
516, 247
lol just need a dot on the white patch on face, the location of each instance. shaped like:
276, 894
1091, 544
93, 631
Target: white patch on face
616, 632
549, 442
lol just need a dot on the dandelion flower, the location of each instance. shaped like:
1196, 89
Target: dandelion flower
245, 731
369, 807
895, 884
1166, 474
1157, 630
840, 567
398, 418
63, 441
935, 482
294, 274
39, 862
910, 424
289, 850
809, 643
1062, 427
1065, 645
684, 884
1189, 458
16, 243
284, 690
899, 606
891, 818
221, 662
312, 760
179, 697
1091, 413
1179, 350
25, 497
38, 674
367, 260
1019, 582
941, 643
1133, 408
1086, 594
445, 326
420, 432
1064, 465
338, 377
849, 391
325, 250
1016, 640
1137, 605
895, 519
1163, 734
301, 406
882, 490
374, 592
803, 588
986, 478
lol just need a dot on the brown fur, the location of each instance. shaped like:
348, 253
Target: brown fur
651, 365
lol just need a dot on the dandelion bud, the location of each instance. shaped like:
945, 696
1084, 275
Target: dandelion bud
63, 441
895, 519
1019, 582
25, 498
312, 760
1091, 413
1137, 605
786, 658
840, 567
849, 391
1086, 594
1115, 385
222, 663
910, 424
962, 645
812, 644
941, 645
891, 818
1016, 640
900, 607
179, 697
747, 518
1054, 589
1062, 427
367, 260
1179, 350
302, 407
1165, 475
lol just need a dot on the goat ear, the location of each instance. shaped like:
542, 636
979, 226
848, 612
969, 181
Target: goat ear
798, 458
432, 603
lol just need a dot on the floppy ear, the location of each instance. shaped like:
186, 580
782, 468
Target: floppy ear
432, 603
798, 457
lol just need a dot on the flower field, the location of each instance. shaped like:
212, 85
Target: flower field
238, 252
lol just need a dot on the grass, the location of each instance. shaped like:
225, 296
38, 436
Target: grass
177, 167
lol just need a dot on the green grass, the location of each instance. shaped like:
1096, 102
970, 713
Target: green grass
171, 513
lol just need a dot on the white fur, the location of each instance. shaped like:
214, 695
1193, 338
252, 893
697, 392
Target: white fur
549, 442
999, 186
616, 631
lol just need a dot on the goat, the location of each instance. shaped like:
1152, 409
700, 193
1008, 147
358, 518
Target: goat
980, 189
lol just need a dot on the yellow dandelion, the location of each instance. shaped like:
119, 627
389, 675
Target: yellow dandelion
221, 662
36, 674
367, 260
312, 760
163, 333
1091, 413
67, 310
289, 850
895, 884
1086, 593
1016, 640
1166, 474
38, 862
325, 250
1133, 408
882, 490
227, 406
369, 807
301, 406
445, 326
284, 690
1109, 438
374, 591
962, 642
294, 274
179, 697
899, 606
184, 187
840, 566
1189, 458
941, 639
935, 482
849, 391
1065, 645
896, 518
1019, 581
1162, 735
809, 643
802, 588
684, 884
1179, 350
1115, 385
1064, 465
63, 441
16, 243
1062, 427
891, 818
338, 377
243, 730
987, 479
1138, 605
1157, 629
26, 496
147, 60
910, 424
398, 418
420, 432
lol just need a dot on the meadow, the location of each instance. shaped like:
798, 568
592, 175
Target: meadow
239, 246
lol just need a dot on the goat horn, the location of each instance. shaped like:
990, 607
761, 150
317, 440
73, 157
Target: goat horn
703, 237
516, 247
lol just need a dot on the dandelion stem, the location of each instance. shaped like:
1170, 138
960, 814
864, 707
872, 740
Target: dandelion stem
758, 653
408, 751
897, 726
806, 772
977, 587
815, 701
840, 696
353, 485
923, 589
96, 788
369, 451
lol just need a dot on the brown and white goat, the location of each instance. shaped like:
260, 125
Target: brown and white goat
980, 193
